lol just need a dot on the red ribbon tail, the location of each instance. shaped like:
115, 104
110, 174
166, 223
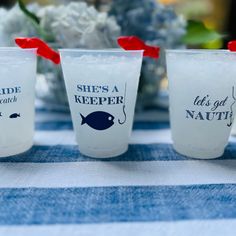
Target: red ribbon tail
135, 43
232, 45
151, 51
43, 49
56, 58
21, 42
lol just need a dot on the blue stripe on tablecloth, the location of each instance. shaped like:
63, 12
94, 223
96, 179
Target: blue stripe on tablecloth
26, 206
44, 110
54, 125
136, 152
67, 125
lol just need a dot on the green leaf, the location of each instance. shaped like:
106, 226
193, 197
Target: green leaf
36, 22
29, 14
198, 33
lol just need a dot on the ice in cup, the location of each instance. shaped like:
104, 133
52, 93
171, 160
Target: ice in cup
102, 88
202, 91
17, 89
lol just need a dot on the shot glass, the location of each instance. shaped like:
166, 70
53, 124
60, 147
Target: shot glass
202, 92
102, 88
17, 88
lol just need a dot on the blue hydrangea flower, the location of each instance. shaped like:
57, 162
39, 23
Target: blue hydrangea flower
157, 25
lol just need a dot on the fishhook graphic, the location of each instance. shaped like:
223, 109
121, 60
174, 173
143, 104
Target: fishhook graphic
122, 122
231, 108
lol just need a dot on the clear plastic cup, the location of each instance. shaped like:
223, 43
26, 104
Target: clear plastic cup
102, 88
202, 91
17, 89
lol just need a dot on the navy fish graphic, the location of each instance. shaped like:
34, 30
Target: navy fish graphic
14, 115
98, 120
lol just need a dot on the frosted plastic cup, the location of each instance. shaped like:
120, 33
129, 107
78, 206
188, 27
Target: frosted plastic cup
202, 88
102, 88
17, 89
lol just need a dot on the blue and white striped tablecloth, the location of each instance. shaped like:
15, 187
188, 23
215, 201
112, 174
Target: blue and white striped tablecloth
151, 190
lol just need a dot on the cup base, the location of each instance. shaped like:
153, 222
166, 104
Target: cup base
15, 150
197, 152
103, 153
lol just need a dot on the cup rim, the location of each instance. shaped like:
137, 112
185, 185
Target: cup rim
199, 51
105, 50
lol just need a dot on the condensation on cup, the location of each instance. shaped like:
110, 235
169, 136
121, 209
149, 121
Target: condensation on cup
102, 88
17, 97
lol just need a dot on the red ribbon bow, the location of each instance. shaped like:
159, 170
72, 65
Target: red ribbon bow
43, 49
135, 43
232, 45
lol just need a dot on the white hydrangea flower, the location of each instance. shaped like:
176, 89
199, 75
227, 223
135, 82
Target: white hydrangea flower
15, 24
73, 25
77, 25
3, 14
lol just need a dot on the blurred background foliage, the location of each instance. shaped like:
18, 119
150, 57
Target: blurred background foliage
210, 25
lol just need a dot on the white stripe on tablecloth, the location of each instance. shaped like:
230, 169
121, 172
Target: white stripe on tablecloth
67, 137
141, 173
177, 228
